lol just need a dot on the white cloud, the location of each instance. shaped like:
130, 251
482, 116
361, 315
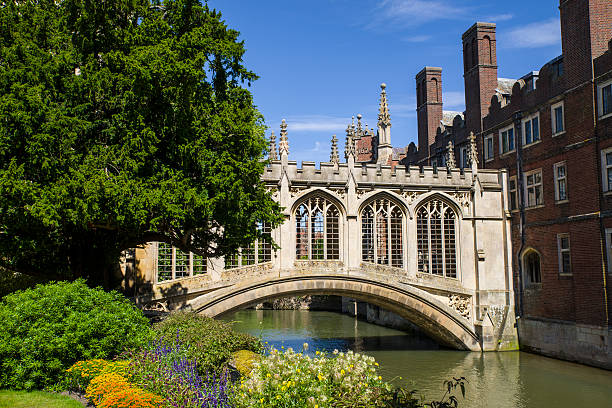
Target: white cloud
534, 35
499, 17
316, 123
414, 12
417, 38
453, 99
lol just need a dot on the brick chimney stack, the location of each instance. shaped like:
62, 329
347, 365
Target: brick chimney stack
479, 73
586, 28
429, 108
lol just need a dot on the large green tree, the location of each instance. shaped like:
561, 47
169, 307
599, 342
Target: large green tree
124, 122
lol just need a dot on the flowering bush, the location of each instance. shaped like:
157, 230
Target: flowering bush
166, 370
289, 379
81, 373
210, 342
130, 397
105, 384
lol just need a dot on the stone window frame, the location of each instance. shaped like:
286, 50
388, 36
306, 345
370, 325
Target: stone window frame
605, 169
464, 157
489, 154
553, 118
528, 274
561, 251
192, 258
443, 238
534, 185
529, 120
600, 90
558, 180
258, 253
338, 236
391, 206
504, 148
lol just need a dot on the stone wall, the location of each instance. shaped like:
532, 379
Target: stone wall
567, 340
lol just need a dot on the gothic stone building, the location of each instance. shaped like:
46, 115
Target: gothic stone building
371, 229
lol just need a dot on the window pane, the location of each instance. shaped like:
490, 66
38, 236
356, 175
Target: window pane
560, 171
530, 179
317, 236
565, 263
231, 261
333, 233
559, 119
367, 234
199, 264
510, 139
301, 230
164, 261
397, 250
609, 159
422, 240
182, 263
564, 243
562, 190
535, 124
606, 96
450, 244
504, 142
537, 177
490, 147
528, 132
530, 197
538, 195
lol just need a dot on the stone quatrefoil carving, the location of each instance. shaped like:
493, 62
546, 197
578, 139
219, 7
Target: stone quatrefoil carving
461, 304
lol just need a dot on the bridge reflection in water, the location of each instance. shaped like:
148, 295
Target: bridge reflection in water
500, 380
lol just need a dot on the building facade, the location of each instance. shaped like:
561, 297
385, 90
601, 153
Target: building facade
552, 130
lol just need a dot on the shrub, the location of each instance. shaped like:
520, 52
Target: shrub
165, 370
131, 397
244, 361
45, 330
105, 384
210, 342
289, 379
81, 373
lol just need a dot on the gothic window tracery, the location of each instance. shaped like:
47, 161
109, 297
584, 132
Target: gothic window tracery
436, 239
317, 222
381, 233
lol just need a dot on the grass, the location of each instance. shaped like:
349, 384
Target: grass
24, 399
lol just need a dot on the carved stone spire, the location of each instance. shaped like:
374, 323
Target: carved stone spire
333, 157
359, 128
283, 145
450, 162
384, 119
473, 151
349, 146
272, 154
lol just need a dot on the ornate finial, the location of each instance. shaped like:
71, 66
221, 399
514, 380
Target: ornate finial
333, 157
359, 128
349, 145
473, 150
283, 145
450, 162
384, 119
272, 154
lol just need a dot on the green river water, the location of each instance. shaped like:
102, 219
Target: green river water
504, 380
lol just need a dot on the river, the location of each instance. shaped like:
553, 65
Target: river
500, 380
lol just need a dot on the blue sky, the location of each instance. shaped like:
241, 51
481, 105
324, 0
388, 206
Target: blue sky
322, 61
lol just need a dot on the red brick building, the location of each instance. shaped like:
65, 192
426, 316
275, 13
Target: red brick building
552, 130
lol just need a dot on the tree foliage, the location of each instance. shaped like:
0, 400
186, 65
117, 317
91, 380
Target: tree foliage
124, 122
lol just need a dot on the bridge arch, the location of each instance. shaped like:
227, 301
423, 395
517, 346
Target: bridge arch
439, 321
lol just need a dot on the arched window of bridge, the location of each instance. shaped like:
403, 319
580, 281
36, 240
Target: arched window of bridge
381, 233
258, 252
172, 263
436, 239
317, 222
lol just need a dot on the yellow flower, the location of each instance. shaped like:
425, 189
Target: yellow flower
261, 401
278, 397
341, 372
376, 364
379, 377
269, 375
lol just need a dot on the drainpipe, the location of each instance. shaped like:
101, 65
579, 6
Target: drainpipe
518, 131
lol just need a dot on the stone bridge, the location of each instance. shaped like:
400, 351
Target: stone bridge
429, 244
